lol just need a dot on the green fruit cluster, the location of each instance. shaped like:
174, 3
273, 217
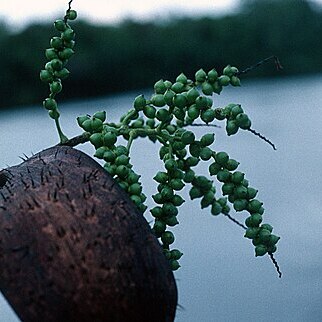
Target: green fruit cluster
163, 119
235, 116
242, 196
116, 157
60, 51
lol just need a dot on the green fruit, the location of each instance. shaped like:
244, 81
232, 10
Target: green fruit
46, 76
264, 235
200, 76
167, 193
158, 100
56, 64
171, 221
167, 238
182, 78
51, 53
194, 149
156, 212
71, 14
122, 160
254, 205
223, 175
231, 165
206, 88
168, 84
205, 153
176, 254
159, 227
96, 139
234, 81
133, 177
163, 115
212, 75
176, 184
168, 97
243, 121
161, 177
110, 139
69, 44
50, 104
49, 67
149, 111
256, 219
237, 109
240, 204
60, 25
178, 87
189, 176
192, 161
68, 35
192, 94
224, 80
177, 200
97, 125
139, 103
187, 137
180, 101
82, 119
179, 113
170, 165
160, 87
193, 112
267, 226
100, 115
207, 200
207, 139
237, 177
208, 115
222, 158
216, 208
174, 265
228, 71
136, 199
214, 168
260, 250
227, 188
56, 42
66, 53
56, 87
251, 193
169, 209
252, 232
273, 240
217, 87
62, 74
122, 171
231, 127
240, 192
99, 153
135, 189
201, 102
109, 156
121, 149
195, 193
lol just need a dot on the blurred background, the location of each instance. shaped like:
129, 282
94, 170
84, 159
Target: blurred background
131, 45
121, 51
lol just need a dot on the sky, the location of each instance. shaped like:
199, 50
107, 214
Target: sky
18, 13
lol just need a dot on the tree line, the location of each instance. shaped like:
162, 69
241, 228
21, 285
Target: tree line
133, 55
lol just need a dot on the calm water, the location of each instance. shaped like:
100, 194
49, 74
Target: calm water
220, 279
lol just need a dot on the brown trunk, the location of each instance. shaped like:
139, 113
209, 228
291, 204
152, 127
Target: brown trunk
73, 247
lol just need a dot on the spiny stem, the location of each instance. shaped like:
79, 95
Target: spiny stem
275, 264
249, 69
80, 139
235, 221
262, 137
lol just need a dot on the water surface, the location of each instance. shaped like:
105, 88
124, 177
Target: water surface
220, 279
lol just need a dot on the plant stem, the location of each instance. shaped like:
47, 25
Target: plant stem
63, 138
